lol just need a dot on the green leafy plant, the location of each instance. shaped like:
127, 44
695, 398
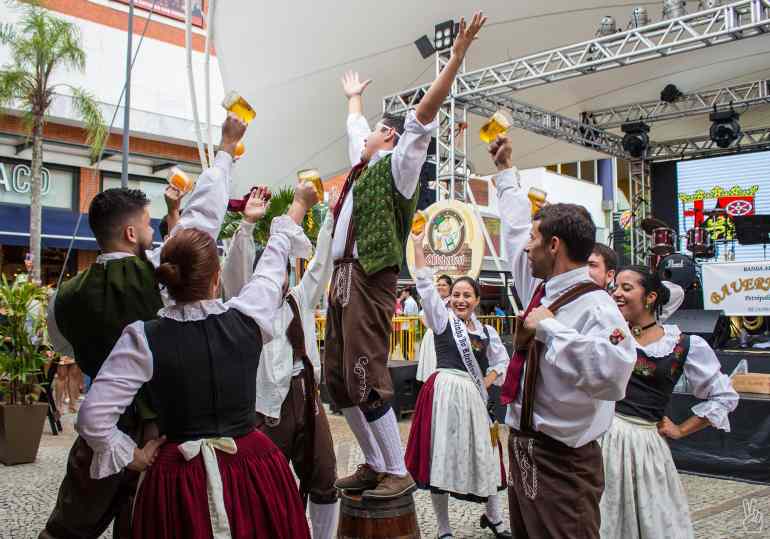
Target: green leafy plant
22, 330
40, 44
279, 205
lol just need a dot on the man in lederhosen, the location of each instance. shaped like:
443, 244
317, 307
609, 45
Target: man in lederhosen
289, 411
372, 222
563, 378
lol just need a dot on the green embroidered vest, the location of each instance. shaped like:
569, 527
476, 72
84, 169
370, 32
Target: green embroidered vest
94, 307
382, 217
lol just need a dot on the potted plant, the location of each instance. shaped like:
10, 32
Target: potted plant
22, 330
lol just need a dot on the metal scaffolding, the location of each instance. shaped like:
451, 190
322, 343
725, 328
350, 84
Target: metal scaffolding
740, 96
641, 198
452, 141
686, 148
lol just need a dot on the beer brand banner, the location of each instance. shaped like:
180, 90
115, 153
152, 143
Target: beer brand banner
738, 288
453, 243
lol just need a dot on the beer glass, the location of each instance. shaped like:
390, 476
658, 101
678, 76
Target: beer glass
498, 124
418, 222
313, 176
240, 149
536, 198
178, 179
239, 106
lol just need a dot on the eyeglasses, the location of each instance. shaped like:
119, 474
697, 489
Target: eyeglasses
384, 128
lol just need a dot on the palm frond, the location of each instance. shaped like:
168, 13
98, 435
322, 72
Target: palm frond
14, 84
7, 33
88, 109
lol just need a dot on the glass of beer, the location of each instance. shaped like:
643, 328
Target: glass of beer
313, 176
498, 124
178, 179
536, 198
240, 149
239, 106
418, 222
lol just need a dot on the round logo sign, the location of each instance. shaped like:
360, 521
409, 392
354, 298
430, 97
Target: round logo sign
736, 208
446, 232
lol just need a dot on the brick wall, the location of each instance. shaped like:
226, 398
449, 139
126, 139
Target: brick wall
480, 190
89, 187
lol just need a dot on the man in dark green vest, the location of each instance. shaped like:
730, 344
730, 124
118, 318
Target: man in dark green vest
89, 312
372, 221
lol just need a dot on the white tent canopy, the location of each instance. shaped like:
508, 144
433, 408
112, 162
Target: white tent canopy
287, 58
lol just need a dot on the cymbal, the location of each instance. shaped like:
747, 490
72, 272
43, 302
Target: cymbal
651, 223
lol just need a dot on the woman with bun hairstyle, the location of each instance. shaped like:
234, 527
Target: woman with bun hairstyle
643, 496
426, 355
453, 447
211, 474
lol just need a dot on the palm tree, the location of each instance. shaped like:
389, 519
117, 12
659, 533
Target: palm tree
40, 43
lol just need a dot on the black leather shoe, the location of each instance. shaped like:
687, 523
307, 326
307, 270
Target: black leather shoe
485, 523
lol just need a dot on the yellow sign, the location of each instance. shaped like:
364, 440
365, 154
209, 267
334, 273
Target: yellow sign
453, 243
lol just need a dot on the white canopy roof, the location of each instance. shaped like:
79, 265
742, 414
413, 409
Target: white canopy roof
287, 58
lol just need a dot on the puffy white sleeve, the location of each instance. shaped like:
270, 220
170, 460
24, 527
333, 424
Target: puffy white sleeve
58, 341
434, 308
123, 373
261, 298
497, 356
599, 357
516, 217
358, 130
207, 205
704, 375
410, 153
239, 263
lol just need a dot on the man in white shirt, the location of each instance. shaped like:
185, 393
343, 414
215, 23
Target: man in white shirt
562, 393
372, 222
289, 410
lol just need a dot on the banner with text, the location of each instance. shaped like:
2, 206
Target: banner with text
738, 288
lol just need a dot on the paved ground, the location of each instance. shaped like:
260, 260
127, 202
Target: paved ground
27, 494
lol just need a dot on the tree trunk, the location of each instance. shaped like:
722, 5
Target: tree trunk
35, 206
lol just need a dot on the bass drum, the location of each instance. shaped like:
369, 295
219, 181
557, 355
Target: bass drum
679, 269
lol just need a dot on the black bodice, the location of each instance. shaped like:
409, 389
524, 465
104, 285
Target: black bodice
652, 382
448, 356
203, 383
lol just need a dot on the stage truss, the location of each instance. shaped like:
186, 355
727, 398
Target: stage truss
485, 90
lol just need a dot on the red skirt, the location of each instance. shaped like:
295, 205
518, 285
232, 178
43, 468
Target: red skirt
260, 494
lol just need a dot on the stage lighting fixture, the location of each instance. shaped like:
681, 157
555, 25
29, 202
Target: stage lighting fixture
607, 26
725, 128
639, 17
444, 35
635, 140
673, 9
425, 47
670, 93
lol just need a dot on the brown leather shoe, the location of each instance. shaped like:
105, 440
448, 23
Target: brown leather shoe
392, 486
364, 478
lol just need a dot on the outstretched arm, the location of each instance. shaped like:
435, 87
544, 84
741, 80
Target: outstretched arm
357, 126
434, 308
439, 90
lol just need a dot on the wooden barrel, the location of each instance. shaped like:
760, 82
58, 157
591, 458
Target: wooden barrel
377, 519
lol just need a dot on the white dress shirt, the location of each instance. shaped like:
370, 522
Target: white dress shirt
436, 312
581, 371
204, 211
704, 376
408, 157
276, 364
130, 364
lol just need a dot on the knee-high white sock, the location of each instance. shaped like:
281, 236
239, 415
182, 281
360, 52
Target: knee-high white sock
385, 431
369, 446
495, 510
441, 509
323, 517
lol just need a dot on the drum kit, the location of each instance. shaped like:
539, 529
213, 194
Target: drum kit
671, 265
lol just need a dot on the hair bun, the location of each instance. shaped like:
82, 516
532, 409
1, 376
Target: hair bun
168, 275
664, 294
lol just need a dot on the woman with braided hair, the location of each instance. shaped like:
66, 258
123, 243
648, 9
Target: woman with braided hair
643, 496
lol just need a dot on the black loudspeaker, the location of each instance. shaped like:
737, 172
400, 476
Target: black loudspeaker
427, 185
710, 325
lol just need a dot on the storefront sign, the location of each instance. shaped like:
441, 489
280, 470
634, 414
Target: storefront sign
453, 243
739, 289
57, 185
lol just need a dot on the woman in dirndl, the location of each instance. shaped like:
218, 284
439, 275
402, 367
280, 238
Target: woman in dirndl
426, 355
643, 496
453, 446
211, 474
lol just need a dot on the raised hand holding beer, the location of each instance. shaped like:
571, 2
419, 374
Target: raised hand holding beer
501, 151
232, 132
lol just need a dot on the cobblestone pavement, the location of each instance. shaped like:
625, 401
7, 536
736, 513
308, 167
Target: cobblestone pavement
28, 492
